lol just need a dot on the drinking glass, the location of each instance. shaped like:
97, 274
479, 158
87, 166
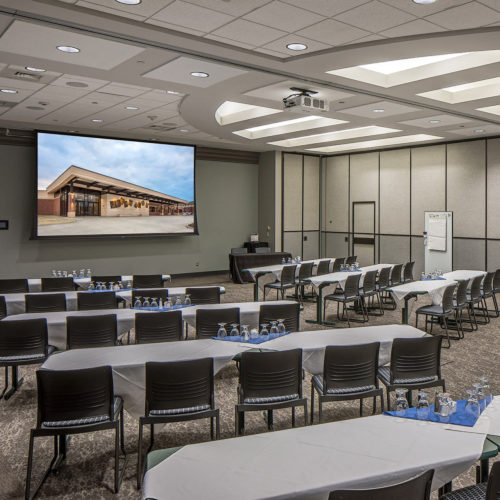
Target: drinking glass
54, 273
154, 302
168, 304
146, 302
137, 302
82, 273
422, 407
297, 259
445, 411
283, 261
486, 390
65, 274
401, 404
244, 332
178, 301
234, 330
478, 387
129, 285
187, 300
274, 329
254, 334
91, 286
472, 406
263, 329
221, 332
89, 273
423, 276
281, 326
111, 285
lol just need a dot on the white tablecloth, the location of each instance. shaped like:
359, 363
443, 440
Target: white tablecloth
249, 311
435, 289
309, 462
35, 284
462, 275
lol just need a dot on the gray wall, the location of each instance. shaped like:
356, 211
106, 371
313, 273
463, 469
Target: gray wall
267, 209
227, 205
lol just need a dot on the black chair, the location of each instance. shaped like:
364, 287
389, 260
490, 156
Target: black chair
178, 391
487, 293
87, 301
155, 293
351, 259
459, 304
496, 289
418, 488
286, 282
3, 307
439, 313
483, 491
158, 327
323, 267
14, 286
305, 271
75, 402
474, 298
349, 372
415, 364
110, 278
383, 282
367, 293
290, 313
239, 251
45, 302
337, 263
58, 285
263, 250
204, 295
408, 272
22, 342
269, 381
395, 279
207, 321
91, 331
147, 281
350, 295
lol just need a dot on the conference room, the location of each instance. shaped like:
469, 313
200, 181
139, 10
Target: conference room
250, 249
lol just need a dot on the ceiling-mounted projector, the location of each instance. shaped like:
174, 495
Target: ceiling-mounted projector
303, 101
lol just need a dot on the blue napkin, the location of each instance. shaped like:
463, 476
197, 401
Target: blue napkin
460, 417
432, 279
172, 308
97, 291
259, 340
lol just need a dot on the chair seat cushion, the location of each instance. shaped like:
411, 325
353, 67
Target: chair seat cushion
318, 381
476, 492
430, 310
334, 296
271, 399
179, 411
384, 373
84, 420
278, 284
27, 357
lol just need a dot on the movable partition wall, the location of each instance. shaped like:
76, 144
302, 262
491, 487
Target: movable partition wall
462, 177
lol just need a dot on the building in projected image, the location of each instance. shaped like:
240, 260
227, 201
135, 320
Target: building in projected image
80, 192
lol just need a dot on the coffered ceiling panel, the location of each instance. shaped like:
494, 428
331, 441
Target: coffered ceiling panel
436, 121
469, 15
379, 110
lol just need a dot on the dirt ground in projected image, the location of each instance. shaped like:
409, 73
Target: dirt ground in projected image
62, 226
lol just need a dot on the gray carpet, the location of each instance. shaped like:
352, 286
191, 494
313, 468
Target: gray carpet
87, 471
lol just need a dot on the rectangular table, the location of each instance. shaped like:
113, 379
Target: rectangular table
463, 275
309, 462
239, 262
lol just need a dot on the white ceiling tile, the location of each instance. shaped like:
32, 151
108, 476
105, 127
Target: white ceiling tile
417, 27
327, 7
160, 96
280, 45
269, 52
143, 9
192, 16
470, 131
16, 84
375, 16
123, 90
494, 4
60, 94
443, 120
283, 16
79, 82
179, 71
233, 8
471, 15
110, 10
221, 39
247, 32
370, 38
174, 27
422, 10
39, 41
333, 32
390, 109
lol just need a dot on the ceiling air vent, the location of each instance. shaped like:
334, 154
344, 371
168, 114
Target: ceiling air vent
7, 104
161, 128
26, 76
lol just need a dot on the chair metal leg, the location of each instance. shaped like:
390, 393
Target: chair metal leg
360, 407
320, 409
312, 403
16, 383
6, 382
139, 456
117, 457
270, 420
293, 416
217, 426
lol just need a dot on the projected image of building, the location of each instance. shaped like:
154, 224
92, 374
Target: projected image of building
80, 192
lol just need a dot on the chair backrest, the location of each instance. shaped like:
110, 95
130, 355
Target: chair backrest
14, 286
337, 263
288, 275
263, 250
58, 285
3, 307
369, 281
74, 394
306, 270
408, 271
108, 278
416, 358
396, 274
147, 281
383, 278
158, 327
156, 293
24, 337
179, 384
496, 281
461, 295
204, 295
475, 287
207, 321
45, 302
418, 488
493, 487
351, 287
348, 366
91, 331
351, 259
447, 300
488, 283
323, 267
270, 374
239, 250
290, 313
96, 300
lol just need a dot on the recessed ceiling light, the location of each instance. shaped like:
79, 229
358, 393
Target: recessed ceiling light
129, 2
183, 130
424, 2
434, 121
34, 70
378, 110
68, 48
173, 92
131, 107
97, 121
296, 46
71, 131
199, 74
8, 91
479, 131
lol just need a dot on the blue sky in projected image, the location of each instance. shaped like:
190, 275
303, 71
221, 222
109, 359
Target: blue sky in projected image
162, 167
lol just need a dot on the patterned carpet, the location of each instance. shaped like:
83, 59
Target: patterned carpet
87, 472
